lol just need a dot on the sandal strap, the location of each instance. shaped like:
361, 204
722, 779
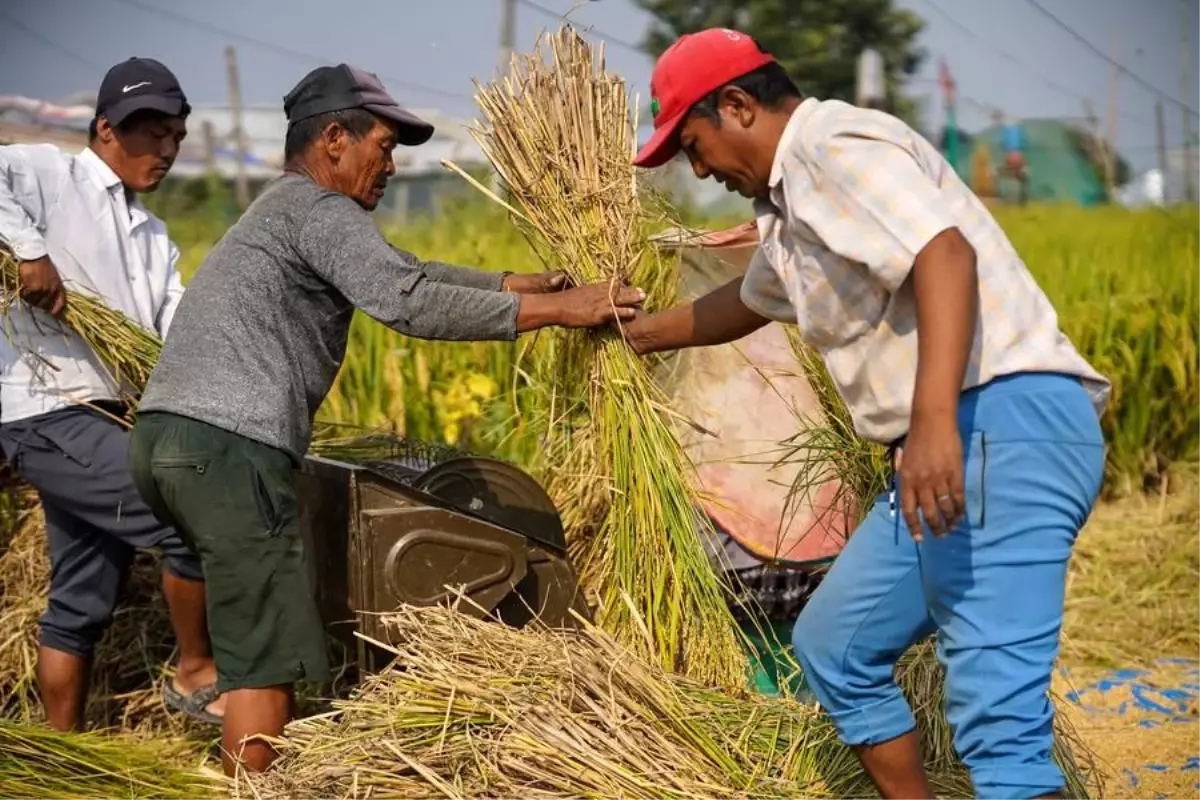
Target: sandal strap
203, 697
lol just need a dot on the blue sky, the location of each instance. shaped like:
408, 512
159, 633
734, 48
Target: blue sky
1004, 53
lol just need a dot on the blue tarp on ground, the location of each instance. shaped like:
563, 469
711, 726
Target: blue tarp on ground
1152, 702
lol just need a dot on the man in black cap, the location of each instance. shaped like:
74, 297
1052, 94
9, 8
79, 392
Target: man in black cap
227, 416
75, 219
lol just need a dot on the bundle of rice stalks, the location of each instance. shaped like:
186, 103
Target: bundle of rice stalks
476, 709
39, 763
826, 448
560, 133
126, 349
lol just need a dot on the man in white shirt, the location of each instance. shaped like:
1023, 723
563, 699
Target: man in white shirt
74, 221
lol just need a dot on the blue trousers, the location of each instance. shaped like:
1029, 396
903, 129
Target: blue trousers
992, 589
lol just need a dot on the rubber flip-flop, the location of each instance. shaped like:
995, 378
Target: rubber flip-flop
196, 704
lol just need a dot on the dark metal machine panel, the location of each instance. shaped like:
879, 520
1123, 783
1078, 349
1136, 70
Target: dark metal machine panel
326, 522
427, 556
398, 522
499, 493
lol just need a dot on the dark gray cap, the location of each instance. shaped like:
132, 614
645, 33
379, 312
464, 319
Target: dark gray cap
327, 89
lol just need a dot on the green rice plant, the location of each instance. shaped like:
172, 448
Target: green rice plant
559, 134
1127, 291
37, 763
826, 448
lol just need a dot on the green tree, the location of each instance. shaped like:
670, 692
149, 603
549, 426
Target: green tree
818, 41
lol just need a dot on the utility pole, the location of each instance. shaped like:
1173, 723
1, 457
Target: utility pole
1099, 146
210, 147
508, 27
1160, 130
1189, 149
1093, 124
1110, 165
240, 187
949, 100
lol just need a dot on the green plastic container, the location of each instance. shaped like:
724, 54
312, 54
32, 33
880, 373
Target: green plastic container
773, 669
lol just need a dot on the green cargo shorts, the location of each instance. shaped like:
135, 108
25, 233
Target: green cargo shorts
234, 501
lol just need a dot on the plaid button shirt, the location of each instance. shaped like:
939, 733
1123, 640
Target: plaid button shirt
855, 195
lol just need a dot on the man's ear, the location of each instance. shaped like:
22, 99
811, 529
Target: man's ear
335, 139
104, 131
735, 104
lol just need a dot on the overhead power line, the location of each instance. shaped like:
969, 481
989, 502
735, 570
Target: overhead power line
1083, 40
1007, 56
55, 46
607, 38
287, 52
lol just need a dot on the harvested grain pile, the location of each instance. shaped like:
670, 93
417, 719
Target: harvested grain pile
475, 709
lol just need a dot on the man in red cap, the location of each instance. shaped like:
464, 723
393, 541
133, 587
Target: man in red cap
946, 350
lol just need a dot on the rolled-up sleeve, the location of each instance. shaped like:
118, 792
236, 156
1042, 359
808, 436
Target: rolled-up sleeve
877, 204
763, 293
341, 244
30, 181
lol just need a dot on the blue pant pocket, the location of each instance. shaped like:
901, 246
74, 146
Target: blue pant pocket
974, 478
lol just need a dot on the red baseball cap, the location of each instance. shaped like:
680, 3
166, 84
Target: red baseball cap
696, 65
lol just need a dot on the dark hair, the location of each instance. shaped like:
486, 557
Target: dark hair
357, 122
133, 120
770, 85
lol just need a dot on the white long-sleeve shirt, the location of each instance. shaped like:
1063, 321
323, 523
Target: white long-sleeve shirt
73, 208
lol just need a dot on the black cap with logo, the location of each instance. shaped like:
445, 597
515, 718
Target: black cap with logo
328, 89
140, 84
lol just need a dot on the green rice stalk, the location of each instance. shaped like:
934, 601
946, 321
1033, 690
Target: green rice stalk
126, 350
36, 763
559, 132
827, 448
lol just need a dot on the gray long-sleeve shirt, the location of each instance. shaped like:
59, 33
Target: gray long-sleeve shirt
261, 332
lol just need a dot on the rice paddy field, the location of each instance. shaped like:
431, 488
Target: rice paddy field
1125, 285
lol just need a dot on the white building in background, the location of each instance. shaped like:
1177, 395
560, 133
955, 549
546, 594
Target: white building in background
1145, 189
420, 182
1154, 188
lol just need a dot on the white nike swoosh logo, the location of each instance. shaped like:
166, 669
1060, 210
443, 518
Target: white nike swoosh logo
136, 85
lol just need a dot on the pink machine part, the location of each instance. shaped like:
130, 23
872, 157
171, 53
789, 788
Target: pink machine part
748, 397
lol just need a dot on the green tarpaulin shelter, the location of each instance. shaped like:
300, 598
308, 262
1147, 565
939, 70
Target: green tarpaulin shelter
1057, 165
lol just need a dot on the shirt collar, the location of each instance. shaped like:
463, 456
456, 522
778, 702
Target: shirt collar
790, 132
108, 180
101, 173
